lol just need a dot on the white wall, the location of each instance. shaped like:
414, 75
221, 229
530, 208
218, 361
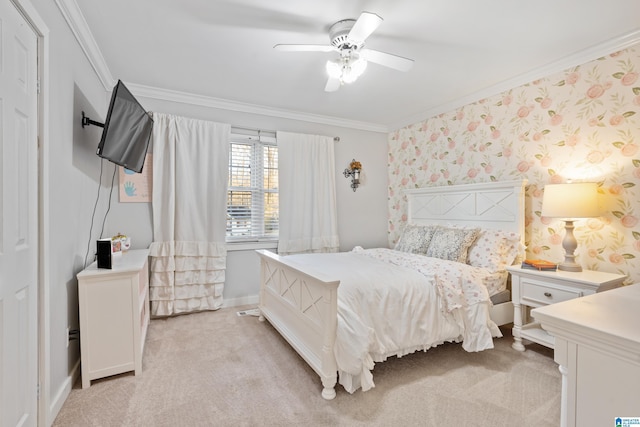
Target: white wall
362, 215
69, 186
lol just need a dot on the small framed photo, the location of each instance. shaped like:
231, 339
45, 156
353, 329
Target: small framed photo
116, 247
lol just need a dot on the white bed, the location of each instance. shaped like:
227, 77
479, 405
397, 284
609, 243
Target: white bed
341, 338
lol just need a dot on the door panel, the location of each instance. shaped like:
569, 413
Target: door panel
18, 228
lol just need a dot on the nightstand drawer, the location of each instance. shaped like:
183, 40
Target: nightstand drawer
543, 295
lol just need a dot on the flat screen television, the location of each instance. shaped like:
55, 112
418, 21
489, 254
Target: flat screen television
127, 130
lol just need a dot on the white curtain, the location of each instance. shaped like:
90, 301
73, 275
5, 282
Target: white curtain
307, 194
188, 254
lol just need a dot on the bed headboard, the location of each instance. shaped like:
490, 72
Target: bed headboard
498, 205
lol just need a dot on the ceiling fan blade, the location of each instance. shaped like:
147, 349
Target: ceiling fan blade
333, 84
364, 26
304, 48
387, 59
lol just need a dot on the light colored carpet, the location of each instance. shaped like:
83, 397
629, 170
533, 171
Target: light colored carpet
219, 369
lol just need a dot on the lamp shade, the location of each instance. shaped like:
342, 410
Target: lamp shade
575, 200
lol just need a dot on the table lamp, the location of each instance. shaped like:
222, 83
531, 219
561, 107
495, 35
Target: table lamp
570, 201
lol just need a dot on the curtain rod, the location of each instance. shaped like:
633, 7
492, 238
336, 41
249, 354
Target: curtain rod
335, 138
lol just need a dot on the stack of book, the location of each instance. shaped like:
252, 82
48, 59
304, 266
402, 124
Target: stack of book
539, 264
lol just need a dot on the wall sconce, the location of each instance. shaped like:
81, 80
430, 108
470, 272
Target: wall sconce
353, 171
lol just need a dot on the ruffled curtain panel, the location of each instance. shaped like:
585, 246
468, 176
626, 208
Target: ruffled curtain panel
188, 254
307, 194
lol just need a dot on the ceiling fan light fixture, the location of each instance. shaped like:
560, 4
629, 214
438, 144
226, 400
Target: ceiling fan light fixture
351, 70
358, 66
347, 69
334, 69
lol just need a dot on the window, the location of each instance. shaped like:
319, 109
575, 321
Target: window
252, 196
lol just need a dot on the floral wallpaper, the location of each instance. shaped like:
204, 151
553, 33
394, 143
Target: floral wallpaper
580, 124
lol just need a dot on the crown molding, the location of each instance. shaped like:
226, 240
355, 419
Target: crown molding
80, 29
581, 57
224, 104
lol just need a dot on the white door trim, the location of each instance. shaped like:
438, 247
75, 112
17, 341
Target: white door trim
46, 414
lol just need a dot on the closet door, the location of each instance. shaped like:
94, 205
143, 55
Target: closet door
18, 228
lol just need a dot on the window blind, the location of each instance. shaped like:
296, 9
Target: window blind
252, 197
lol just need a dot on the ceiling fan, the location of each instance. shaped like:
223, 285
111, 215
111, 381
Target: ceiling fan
347, 38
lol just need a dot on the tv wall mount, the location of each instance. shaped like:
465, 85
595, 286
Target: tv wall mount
86, 121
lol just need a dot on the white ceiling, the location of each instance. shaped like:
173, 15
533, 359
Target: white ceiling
464, 50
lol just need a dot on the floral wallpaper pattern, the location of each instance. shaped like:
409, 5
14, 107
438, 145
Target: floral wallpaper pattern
581, 124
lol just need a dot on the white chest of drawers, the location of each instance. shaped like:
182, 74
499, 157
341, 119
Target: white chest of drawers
597, 345
114, 316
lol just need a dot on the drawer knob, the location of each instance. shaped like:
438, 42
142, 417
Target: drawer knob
547, 294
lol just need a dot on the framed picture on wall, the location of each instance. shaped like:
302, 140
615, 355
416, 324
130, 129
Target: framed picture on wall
136, 187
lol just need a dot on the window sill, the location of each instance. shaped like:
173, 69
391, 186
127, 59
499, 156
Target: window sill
250, 246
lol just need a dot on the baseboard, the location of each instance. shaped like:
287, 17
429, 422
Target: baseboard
63, 393
236, 302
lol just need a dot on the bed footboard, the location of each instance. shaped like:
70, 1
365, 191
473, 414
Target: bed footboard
303, 307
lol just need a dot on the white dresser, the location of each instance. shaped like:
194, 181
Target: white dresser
597, 345
114, 316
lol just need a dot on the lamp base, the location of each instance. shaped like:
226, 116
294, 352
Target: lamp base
568, 266
569, 244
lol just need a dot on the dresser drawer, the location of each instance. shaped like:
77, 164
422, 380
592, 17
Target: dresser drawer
542, 294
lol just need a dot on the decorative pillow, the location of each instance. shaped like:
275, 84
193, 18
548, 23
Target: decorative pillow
514, 250
452, 243
494, 249
415, 239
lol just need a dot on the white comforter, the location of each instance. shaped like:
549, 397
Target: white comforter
395, 303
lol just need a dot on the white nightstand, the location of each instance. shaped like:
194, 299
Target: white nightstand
533, 288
